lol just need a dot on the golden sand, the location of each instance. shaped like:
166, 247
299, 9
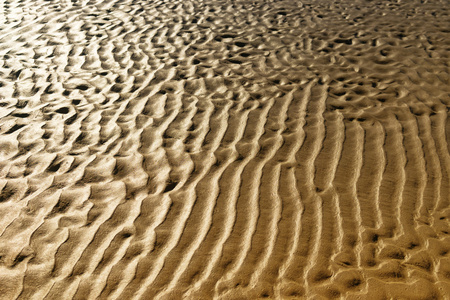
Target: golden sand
224, 149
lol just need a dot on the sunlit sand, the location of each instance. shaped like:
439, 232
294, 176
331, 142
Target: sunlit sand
224, 149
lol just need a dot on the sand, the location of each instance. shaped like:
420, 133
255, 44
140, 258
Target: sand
224, 149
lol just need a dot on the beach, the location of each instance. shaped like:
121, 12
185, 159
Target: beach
224, 149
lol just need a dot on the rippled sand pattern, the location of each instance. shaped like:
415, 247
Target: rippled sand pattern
224, 149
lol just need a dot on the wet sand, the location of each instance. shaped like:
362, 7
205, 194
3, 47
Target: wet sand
224, 149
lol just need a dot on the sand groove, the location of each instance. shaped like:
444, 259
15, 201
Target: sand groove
224, 149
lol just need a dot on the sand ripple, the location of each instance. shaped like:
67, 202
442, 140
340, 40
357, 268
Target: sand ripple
224, 149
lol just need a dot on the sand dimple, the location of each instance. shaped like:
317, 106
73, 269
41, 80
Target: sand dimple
224, 149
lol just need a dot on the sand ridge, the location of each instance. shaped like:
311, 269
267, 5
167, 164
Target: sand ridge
224, 149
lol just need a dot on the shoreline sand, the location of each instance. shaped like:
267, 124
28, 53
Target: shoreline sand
224, 149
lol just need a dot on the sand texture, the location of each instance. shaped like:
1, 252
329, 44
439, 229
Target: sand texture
224, 149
